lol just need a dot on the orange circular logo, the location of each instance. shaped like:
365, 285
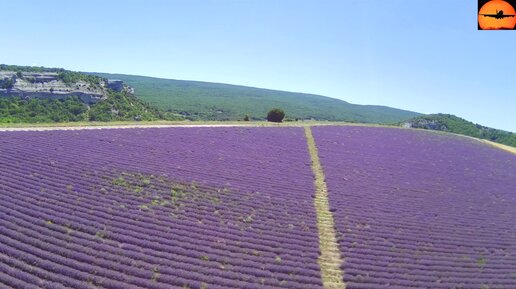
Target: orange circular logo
497, 15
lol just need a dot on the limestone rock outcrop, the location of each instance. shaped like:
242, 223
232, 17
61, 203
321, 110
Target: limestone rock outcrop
425, 124
48, 85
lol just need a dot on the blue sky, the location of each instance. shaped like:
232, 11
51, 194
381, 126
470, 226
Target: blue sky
419, 55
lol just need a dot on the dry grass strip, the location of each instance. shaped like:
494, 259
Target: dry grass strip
500, 146
330, 259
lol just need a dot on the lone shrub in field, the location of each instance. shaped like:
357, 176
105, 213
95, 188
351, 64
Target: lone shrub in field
246, 117
275, 115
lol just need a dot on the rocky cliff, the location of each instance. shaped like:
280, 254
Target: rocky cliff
53, 85
424, 123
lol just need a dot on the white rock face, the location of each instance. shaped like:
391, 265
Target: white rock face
426, 124
47, 85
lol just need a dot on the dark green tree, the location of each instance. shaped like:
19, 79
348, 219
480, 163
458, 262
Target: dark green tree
275, 115
246, 117
8, 83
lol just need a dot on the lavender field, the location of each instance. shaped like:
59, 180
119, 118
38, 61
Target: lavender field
235, 207
157, 208
420, 210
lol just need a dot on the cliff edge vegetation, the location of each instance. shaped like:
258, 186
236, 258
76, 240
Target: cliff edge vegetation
31, 94
454, 124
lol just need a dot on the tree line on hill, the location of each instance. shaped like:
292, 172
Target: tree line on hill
66, 76
117, 107
454, 124
197, 100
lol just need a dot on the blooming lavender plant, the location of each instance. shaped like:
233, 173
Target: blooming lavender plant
418, 209
157, 208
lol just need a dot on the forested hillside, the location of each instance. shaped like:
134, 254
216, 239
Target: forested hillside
198, 100
454, 124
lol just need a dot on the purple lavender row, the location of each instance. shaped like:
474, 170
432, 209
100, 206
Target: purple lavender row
193, 149
11, 202
53, 176
107, 213
420, 210
56, 240
93, 200
280, 216
81, 270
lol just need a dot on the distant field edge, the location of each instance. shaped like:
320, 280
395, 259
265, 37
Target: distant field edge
158, 124
500, 146
164, 124
484, 141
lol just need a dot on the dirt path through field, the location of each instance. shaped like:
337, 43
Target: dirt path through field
330, 258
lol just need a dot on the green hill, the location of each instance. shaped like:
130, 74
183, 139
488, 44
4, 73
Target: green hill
197, 100
31, 94
116, 107
454, 124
